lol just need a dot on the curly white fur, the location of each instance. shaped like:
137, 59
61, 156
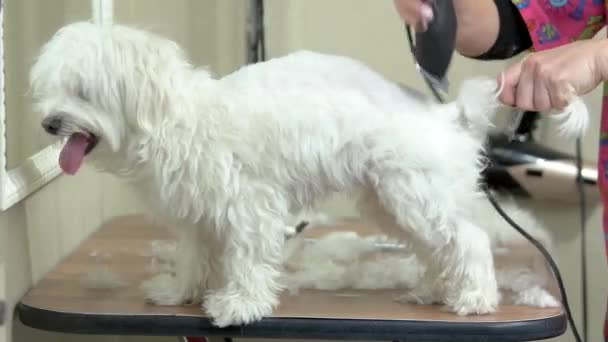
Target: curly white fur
574, 119
229, 160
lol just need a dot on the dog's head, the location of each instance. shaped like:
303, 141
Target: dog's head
99, 87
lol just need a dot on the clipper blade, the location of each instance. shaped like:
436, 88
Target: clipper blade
439, 84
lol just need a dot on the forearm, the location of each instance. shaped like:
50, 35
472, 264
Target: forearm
487, 29
478, 26
601, 58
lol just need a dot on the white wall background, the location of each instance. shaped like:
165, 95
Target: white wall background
50, 223
27, 25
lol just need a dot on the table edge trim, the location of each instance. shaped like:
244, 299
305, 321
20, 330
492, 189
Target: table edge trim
339, 328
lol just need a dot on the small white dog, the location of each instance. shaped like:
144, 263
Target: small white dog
229, 160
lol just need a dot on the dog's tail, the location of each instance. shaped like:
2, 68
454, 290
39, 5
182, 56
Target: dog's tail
573, 119
476, 105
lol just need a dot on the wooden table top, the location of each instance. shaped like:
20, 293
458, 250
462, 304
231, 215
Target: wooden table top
59, 302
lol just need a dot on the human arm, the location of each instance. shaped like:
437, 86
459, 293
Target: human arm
487, 29
478, 26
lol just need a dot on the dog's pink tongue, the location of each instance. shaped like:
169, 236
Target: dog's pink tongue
73, 152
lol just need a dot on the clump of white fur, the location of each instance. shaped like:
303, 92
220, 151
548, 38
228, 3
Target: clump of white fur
102, 277
346, 260
573, 120
230, 160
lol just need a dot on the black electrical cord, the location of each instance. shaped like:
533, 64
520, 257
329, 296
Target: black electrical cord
506, 217
547, 256
583, 217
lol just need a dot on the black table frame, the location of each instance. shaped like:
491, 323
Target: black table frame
329, 329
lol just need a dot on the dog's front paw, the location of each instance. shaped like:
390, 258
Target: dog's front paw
166, 289
474, 303
235, 309
474, 291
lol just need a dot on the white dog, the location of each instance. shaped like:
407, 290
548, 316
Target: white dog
229, 160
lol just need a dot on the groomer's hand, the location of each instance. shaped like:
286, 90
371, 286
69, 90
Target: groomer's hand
546, 80
478, 22
415, 13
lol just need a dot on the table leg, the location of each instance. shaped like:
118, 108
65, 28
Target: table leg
193, 339
204, 339
2, 309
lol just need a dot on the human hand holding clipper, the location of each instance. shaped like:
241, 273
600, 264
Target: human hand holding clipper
416, 13
444, 26
434, 47
477, 21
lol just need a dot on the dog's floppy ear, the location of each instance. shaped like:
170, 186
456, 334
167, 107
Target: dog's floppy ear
151, 88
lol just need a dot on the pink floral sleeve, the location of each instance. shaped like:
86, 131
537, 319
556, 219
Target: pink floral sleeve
552, 23
556, 22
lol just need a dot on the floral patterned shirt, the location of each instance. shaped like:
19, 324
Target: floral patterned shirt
553, 23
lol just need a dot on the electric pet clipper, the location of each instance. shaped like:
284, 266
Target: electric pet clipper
435, 46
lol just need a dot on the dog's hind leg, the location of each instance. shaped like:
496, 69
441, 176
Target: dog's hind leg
372, 212
252, 237
457, 253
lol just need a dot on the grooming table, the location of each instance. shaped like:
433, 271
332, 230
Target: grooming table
60, 303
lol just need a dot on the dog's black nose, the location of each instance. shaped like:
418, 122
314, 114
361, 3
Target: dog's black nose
52, 124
